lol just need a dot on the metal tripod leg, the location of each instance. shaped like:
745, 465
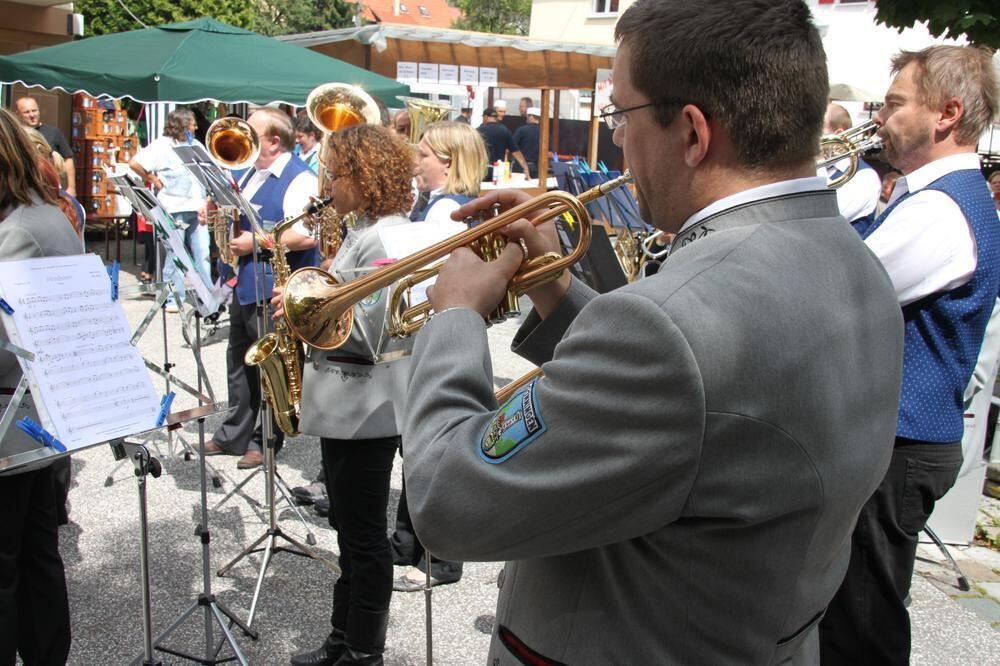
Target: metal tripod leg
963, 582
287, 494
238, 488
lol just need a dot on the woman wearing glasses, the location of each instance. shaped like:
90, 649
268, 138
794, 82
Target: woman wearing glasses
352, 397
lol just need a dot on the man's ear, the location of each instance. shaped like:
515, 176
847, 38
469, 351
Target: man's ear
951, 114
698, 134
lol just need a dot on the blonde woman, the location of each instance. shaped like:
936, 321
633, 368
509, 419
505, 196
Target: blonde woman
451, 161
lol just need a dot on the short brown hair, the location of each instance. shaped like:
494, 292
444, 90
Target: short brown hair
178, 124
837, 117
965, 72
380, 162
757, 66
19, 174
279, 125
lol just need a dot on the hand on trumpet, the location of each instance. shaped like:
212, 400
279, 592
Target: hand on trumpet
241, 245
466, 281
535, 241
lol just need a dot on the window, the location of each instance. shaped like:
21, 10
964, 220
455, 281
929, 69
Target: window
605, 6
424, 11
403, 9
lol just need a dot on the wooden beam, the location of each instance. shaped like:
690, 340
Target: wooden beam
543, 141
555, 115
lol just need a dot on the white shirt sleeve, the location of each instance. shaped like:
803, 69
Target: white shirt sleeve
925, 245
441, 210
859, 196
150, 157
297, 197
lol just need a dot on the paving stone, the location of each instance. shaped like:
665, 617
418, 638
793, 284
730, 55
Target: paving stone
986, 608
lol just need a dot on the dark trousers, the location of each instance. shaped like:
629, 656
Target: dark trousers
241, 430
867, 621
34, 609
408, 551
357, 482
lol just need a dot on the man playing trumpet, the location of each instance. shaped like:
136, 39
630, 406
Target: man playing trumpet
681, 484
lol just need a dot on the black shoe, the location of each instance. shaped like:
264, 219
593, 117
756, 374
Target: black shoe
327, 655
309, 494
352, 657
322, 506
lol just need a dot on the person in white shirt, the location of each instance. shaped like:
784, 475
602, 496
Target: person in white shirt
180, 194
939, 242
279, 185
858, 197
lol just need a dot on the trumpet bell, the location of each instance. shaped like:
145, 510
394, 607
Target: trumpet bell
335, 106
306, 302
233, 143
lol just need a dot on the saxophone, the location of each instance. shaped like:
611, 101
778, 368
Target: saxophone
222, 221
277, 354
329, 231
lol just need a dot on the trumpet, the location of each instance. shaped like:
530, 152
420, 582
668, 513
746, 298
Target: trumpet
850, 144
317, 307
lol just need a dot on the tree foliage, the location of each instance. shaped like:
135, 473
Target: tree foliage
504, 17
977, 20
288, 17
102, 17
268, 17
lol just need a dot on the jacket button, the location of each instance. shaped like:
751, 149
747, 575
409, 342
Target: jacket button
500, 578
496, 661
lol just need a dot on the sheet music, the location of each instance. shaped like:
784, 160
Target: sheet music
402, 240
88, 382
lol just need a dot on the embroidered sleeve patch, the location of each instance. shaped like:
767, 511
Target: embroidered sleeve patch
517, 424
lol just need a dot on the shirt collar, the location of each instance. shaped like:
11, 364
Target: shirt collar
769, 191
278, 165
928, 173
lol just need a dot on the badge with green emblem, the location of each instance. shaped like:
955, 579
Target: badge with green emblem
517, 424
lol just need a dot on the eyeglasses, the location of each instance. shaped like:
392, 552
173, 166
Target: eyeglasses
615, 117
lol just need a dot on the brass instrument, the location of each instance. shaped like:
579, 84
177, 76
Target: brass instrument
233, 143
505, 392
277, 353
332, 107
223, 222
328, 231
318, 308
422, 113
850, 144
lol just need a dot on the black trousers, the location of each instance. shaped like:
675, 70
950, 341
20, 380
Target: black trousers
408, 551
357, 482
867, 621
34, 609
241, 430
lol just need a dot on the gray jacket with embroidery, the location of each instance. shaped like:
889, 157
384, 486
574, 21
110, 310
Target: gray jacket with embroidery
358, 390
682, 485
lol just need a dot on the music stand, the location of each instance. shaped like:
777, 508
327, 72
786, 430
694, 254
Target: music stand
227, 193
206, 301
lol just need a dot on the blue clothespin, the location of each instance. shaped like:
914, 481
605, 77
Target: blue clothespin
40, 434
5, 306
165, 403
113, 271
602, 166
190, 137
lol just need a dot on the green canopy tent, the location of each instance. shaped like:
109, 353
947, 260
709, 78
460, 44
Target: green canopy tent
189, 62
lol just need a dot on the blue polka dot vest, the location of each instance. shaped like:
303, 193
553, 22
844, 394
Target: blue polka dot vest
944, 331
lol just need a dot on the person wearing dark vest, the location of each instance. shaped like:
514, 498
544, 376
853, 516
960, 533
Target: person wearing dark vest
451, 158
527, 139
939, 241
279, 185
858, 197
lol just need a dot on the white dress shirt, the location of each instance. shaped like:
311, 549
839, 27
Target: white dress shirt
297, 196
925, 244
857, 197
